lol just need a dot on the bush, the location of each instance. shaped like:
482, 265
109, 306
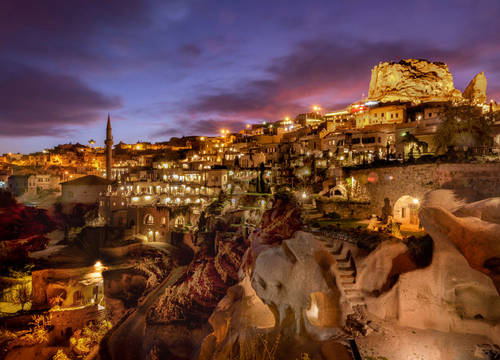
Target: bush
60, 355
83, 341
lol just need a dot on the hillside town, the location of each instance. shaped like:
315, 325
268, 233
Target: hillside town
402, 121
329, 234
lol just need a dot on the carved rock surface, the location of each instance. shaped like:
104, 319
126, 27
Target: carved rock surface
412, 80
455, 293
475, 92
296, 277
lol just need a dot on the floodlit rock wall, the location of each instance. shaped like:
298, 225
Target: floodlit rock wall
456, 292
296, 275
475, 92
413, 81
470, 181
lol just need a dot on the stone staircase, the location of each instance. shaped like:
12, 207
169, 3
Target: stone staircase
311, 212
345, 271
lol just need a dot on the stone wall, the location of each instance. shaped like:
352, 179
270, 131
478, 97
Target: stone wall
65, 322
471, 182
344, 209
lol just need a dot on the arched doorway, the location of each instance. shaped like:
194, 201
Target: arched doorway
338, 191
406, 210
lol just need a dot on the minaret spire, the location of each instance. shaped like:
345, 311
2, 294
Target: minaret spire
109, 149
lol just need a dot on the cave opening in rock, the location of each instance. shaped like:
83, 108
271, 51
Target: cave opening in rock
322, 310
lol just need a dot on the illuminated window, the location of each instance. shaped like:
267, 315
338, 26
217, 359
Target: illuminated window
149, 220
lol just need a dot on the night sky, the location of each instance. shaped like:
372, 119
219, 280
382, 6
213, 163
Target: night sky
171, 68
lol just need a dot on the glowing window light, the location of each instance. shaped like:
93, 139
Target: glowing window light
135, 198
313, 312
147, 197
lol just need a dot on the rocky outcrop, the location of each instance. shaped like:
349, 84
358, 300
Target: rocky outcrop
456, 292
475, 92
204, 284
301, 289
412, 81
473, 229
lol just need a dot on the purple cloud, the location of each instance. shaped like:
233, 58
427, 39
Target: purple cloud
313, 69
35, 102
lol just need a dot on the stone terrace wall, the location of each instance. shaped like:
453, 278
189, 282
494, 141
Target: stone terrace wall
73, 319
471, 182
345, 209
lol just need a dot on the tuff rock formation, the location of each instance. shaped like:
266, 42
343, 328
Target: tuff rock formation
203, 285
300, 271
456, 292
475, 92
413, 81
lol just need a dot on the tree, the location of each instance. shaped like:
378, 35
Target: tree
21, 294
465, 126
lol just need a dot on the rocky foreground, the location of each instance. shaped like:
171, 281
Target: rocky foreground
285, 293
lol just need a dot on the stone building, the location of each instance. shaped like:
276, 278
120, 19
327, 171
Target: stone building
32, 183
84, 190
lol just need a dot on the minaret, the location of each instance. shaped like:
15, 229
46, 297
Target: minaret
109, 149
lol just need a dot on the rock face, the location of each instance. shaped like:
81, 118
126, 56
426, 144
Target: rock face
456, 292
474, 229
298, 289
475, 92
204, 284
413, 81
